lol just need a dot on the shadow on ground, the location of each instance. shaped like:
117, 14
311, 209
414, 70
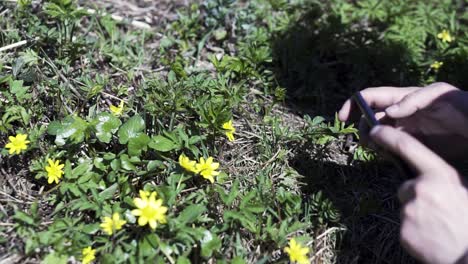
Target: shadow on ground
364, 197
321, 61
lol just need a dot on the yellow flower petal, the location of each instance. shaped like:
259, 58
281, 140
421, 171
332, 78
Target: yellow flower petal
140, 203
229, 130
152, 223
136, 212
142, 221
150, 211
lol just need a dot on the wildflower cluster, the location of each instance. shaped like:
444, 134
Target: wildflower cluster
207, 168
128, 130
445, 37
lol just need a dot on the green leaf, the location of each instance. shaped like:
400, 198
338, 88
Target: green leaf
108, 193
23, 217
90, 228
238, 260
73, 128
53, 128
149, 245
131, 129
107, 124
154, 164
161, 143
220, 34
79, 170
183, 260
138, 144
17, 88
126, 163
55, 258
191, 213
317, 121
229, 198
210, 243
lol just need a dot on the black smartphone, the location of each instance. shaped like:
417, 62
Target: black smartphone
369, 116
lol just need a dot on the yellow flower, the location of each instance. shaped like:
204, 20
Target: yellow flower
88, 255
117, 110
207, 168
297, 253
187, 164
150, 210
445, 36
54, 171
436, 65
17, 143
109, 225
230, 130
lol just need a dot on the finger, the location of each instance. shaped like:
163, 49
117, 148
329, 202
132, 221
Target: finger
418, 100
345, 111
414, 153
379, 97
406, 192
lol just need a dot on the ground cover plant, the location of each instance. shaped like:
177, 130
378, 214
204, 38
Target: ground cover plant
205, 131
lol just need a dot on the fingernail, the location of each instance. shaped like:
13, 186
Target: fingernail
375, 130
392, 109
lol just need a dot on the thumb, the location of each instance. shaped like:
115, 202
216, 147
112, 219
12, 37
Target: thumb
425, 162
418, 100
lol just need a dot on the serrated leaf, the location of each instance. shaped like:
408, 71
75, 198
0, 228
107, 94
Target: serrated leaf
23, 217
210, 244
17, 88
109, 192
79, 170
191, 213
73, 128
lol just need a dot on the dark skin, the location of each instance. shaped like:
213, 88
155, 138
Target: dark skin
426, 127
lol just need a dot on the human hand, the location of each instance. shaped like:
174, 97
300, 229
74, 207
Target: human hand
434, 209
437, 114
